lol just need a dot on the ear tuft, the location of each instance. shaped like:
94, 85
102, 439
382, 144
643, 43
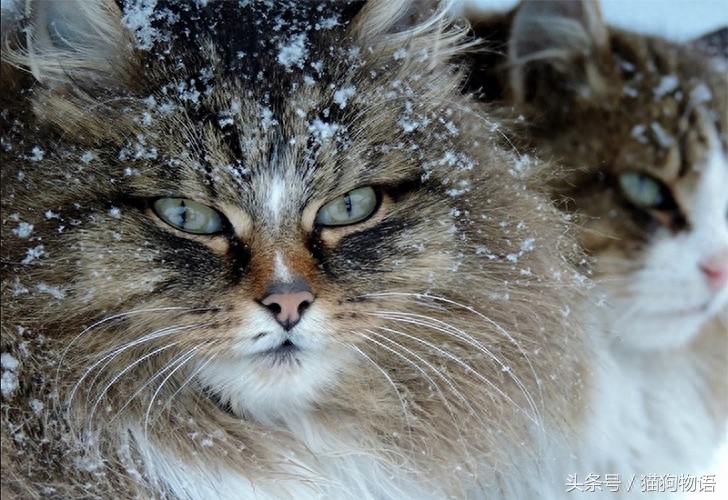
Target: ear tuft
422, 26
557, 43
714, 44
72, 41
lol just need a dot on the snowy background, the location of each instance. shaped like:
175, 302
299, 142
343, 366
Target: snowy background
675, 19
678, 20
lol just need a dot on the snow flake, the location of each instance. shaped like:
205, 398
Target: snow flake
23, 230
115, 213
293, 53
8, 379
668, 84
32, 254
36, 154
341, 96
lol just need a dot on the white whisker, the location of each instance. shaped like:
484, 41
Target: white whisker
390, 381
416, 319
179, 362
107, 359
119, 316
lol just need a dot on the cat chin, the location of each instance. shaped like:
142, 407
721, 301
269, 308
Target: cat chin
659, 332
271, 387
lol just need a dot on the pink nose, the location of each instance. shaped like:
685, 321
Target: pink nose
715, 269
287, 301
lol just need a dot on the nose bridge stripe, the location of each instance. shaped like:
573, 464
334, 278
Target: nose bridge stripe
298, 284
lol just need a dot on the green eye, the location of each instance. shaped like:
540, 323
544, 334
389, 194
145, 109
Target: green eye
353, 207
188, 216
643, 190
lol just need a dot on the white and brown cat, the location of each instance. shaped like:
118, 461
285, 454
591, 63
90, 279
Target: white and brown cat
265, 250
642, 122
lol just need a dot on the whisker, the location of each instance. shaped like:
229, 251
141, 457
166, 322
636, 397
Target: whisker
481, 316
107, 359
419, 368
122, 372
179, 364
119, 316
416, 319
391, 382
481, 377
436, 386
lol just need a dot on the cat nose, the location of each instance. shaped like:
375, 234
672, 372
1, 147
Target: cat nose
288, 301
715, 269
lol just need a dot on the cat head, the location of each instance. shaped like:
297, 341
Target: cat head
301, 214
641, 122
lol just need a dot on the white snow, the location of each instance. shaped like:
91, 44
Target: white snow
23, 230
294, 52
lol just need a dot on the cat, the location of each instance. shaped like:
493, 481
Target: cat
265, 250
642, 124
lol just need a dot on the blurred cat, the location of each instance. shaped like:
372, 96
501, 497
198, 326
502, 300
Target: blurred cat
244, 256
641, 122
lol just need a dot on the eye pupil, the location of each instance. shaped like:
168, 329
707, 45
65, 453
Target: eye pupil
188, 215
350, 208
347, 203
183, 212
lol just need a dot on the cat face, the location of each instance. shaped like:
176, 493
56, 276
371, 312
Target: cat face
269, 224
642, 124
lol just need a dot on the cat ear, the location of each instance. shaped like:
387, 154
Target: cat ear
420, 26
555, 49
72, 41
378, 17
714, 44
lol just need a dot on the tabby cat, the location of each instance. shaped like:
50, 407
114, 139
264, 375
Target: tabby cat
642, 124
265, 250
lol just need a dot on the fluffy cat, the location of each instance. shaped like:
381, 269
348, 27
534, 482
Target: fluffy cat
641, 122
265, 250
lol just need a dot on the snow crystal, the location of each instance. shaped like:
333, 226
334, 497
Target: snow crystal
32, 254
53, 291
668, 84
638, 132
23, 230
400, 53
8, 362
266, 119
87, 157
36, 406
294, 53
324, 131
8, 379
700, 94
137, 18
663, 138
342, 96
115, 213
36, 154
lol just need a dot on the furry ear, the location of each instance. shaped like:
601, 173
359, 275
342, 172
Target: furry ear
714, 44
79, 41
557, 47
413, 24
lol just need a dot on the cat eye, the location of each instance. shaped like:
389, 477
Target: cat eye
188, 215
352, 207
646, 192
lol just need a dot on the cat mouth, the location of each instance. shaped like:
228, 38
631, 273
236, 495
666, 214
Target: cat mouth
285, 352
692, 310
